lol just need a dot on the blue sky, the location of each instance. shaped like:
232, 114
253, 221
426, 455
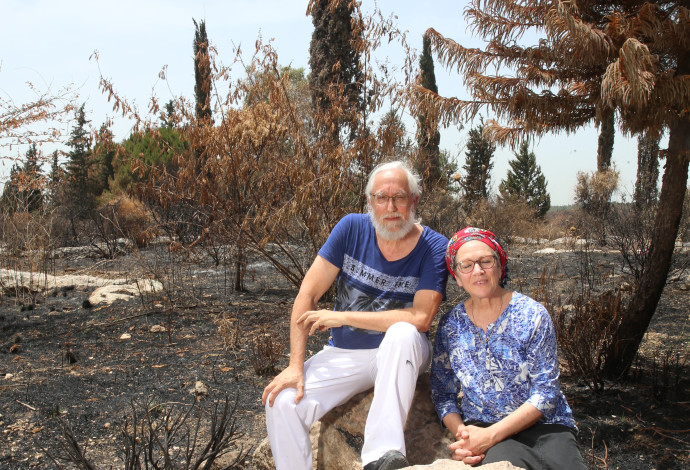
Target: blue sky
49, 42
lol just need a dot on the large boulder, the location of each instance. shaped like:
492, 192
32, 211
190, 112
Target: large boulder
337, 443
447, 464
342, 431
263, 457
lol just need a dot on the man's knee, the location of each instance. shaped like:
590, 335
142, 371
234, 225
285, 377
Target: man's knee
401, 332
285, 409
403, 342
283, 402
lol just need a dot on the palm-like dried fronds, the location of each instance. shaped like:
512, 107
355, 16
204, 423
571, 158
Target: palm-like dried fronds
591, 56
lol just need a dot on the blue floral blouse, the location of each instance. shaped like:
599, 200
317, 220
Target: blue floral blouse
513, 363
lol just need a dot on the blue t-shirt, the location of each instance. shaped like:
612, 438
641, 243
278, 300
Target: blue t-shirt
368, 282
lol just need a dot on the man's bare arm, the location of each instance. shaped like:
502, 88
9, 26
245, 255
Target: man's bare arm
316, 282
420, 314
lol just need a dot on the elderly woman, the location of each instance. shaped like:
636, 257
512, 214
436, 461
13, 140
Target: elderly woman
498, 350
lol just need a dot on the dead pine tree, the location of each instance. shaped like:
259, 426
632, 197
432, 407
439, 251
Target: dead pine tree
629, 57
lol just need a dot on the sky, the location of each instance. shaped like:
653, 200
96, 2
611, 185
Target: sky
51, 44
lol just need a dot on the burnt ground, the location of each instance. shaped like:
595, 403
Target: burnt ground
62, 361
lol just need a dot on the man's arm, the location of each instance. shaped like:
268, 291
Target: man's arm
316, 282
424, 306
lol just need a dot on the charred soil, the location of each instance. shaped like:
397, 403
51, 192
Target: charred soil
64, 362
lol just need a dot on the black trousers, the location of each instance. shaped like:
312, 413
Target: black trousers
540, 447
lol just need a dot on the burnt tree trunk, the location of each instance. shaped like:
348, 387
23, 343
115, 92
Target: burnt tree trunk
636, 318
605, 143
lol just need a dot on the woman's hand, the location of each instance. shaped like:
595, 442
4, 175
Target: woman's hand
320, 320
460, 452
475, 439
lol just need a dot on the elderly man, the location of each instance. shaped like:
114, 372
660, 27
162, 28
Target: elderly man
391, 278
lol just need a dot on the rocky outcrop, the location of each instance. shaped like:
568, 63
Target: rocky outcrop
447, 464
342, 431
337, 442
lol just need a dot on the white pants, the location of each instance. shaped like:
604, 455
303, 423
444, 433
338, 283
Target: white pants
335, 375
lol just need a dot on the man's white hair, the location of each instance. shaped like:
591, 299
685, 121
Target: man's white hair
413, 180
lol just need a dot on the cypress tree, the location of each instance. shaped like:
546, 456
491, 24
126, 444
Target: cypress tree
334, 62
428, 136
202, 73
79, 161
526, 181
477, 168
31, 194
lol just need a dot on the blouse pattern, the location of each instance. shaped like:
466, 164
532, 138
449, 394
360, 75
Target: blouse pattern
494, 373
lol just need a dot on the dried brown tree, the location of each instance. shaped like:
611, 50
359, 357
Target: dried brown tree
269, 180
590, 58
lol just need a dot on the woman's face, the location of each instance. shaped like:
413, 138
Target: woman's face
479, 283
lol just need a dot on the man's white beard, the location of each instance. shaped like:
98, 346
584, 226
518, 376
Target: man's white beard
385, 233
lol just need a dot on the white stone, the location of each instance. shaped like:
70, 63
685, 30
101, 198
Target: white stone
548, 251
105, 290
200, 388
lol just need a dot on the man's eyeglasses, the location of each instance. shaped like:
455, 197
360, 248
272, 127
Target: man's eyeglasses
399, 200
467, 266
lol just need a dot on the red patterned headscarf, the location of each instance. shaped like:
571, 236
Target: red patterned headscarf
472, 233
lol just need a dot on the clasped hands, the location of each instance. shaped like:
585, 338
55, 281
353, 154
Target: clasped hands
471, 444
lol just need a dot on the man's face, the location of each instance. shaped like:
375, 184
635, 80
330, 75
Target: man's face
391, 206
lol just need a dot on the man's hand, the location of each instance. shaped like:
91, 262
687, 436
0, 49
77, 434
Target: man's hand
291, 377
320, 320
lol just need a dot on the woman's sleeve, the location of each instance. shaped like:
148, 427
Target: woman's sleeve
444, 385
542, 363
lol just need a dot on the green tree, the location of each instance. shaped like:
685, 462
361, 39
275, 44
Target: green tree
56, 171
10, 192
104, 151
24, 190
476, 181
202, 73
80, 189
143, 150
630, 57
393, 136
32, 193
336, 77
526, 181
169, 119
646, 190
428, 136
